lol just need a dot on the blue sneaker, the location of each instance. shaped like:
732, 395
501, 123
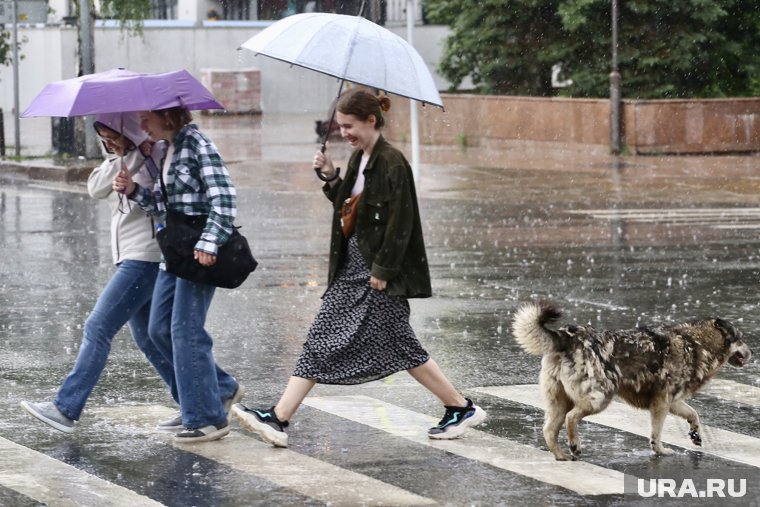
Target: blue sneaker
456, 420
262, 422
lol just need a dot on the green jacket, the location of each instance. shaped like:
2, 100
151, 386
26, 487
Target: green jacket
388, 227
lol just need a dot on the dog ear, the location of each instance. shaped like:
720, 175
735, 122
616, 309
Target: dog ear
729, 331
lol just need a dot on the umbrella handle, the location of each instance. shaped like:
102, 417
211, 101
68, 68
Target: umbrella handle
319, 171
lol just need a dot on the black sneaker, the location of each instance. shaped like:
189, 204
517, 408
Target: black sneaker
456, 420
204, 434
262, 422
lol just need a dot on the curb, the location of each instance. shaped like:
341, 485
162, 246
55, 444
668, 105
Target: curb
47, 172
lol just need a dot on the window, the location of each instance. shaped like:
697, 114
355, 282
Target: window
164, 9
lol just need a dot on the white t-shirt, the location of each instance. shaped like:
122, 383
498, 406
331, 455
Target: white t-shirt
167, 163
359, 185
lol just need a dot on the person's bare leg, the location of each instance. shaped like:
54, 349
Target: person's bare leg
291, 399
430, 375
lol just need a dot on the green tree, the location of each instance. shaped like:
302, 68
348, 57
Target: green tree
130, 13
667, 48
6, 49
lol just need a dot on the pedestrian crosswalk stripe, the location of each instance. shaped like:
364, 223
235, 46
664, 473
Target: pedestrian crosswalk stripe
476, 445
713, 217
733, 391
308, 476
673, 212
724, 444
737, 226
51, 482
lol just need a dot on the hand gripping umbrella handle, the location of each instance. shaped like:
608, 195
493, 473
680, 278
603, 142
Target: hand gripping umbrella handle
327, 134
319, 171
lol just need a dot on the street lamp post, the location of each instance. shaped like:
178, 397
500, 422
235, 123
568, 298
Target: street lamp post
615, 86
14, 41
87, 53
411, 10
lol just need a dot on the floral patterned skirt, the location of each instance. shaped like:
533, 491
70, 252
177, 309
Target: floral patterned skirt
359, 334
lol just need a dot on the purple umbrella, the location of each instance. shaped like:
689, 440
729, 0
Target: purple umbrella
120, 90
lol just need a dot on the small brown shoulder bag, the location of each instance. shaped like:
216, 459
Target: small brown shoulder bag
348, 214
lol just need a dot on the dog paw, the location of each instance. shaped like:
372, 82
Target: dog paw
564, 457
695, 437
664, 451
575, 450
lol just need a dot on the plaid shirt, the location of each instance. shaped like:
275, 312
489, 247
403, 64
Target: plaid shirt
197, 184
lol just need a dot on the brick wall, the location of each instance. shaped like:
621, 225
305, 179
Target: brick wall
238, 90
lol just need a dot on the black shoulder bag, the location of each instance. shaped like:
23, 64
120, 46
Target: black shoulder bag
177, 240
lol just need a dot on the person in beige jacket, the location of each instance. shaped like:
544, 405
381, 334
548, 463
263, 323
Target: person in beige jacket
127, 296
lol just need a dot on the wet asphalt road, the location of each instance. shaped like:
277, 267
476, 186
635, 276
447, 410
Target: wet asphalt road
615, 243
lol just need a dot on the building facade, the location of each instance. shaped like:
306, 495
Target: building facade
392, 12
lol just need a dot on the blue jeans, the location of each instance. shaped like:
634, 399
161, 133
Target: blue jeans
126, 298
177, 318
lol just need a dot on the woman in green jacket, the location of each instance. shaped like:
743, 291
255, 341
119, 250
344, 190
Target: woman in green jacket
377, 262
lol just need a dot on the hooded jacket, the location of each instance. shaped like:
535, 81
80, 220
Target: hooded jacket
133, 230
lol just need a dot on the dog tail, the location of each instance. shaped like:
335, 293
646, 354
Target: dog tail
528, 327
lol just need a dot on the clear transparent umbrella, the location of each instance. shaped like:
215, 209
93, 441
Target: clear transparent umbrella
350, 48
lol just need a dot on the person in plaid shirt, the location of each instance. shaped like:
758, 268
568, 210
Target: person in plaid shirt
197, 183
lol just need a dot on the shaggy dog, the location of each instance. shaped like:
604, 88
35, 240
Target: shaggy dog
657, 369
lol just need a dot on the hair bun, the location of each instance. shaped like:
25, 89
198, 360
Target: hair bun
384, 102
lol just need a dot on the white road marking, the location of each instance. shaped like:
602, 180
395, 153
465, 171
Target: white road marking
733, 391
724, 444
719, 218
755, 212
57, 484
476, 445
49, 481
737, 226
308, 476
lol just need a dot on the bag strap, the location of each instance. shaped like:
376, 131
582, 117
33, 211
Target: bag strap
156, 173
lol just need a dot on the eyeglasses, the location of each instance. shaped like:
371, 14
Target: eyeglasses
108, 142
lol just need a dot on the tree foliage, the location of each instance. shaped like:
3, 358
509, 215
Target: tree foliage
129, 13
666, 48
6, 49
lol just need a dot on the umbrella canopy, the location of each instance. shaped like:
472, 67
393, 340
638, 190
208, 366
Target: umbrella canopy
121, 90
350, 48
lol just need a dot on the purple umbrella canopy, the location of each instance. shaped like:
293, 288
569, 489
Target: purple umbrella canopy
120, 90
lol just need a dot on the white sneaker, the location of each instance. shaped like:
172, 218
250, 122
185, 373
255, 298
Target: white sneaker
48, 413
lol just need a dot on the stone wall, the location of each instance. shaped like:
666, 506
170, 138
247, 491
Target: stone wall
649, 127
239, 90
693, 126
